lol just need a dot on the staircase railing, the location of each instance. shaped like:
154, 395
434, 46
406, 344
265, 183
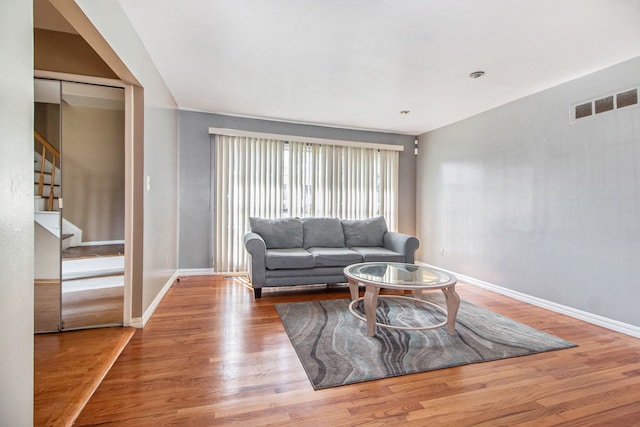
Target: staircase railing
55, 161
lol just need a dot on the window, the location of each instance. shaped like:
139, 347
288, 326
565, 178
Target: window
274, 178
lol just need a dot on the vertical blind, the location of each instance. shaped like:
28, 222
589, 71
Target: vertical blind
272, 179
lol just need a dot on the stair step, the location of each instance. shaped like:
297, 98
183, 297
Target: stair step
92, 267
92, 283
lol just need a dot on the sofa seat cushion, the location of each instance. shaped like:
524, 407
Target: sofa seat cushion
335, 257
288, 258
375, 254
322, 232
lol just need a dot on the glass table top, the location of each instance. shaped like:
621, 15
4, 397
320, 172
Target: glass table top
392, 274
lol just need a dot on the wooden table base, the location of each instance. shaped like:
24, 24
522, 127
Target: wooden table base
372, 293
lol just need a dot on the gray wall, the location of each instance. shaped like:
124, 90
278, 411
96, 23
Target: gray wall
160, 148
195, 174
521, 198
16, 213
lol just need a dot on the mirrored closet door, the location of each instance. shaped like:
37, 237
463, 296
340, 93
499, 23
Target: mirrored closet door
47, 191
86, 209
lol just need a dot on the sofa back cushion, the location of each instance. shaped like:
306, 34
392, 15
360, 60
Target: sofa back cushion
364, 232
322, 232
280, 233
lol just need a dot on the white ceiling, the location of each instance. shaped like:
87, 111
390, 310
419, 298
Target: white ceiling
358, 63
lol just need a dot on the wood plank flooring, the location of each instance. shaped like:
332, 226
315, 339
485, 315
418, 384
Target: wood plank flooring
92, 308
46, 299
68, 367
212, 355
80, 309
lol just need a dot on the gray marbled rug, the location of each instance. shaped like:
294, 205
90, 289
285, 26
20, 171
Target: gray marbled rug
334, 348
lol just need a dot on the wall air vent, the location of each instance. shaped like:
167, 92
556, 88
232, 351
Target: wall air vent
584, 110
627, 98
606, 103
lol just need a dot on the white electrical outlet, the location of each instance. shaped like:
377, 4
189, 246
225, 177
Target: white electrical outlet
148, 183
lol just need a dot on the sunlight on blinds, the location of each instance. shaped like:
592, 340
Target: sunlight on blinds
248, 183
272, 179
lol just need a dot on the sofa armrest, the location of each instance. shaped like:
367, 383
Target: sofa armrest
257, 248
402, 243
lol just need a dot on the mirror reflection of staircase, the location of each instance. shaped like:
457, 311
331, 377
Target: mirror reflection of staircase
78, 279
92, 275
92, 285
46, 174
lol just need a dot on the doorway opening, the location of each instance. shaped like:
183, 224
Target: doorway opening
79, 154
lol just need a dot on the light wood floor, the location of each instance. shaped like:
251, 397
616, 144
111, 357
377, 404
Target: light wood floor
46, 303
211, 355
68, 367
80, 309
95, 307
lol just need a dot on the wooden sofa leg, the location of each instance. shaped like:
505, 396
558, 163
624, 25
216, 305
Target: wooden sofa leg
257, 292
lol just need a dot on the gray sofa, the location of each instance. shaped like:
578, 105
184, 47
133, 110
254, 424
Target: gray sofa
306, 251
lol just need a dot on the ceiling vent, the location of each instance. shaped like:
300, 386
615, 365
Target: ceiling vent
604, 104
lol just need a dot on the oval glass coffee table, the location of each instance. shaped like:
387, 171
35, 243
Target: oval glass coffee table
393, 275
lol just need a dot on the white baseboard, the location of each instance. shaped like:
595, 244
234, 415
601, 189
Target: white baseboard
209, 272
140, 322
197, 272
595, 319
102, 242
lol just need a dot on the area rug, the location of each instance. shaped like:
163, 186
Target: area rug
335, 350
